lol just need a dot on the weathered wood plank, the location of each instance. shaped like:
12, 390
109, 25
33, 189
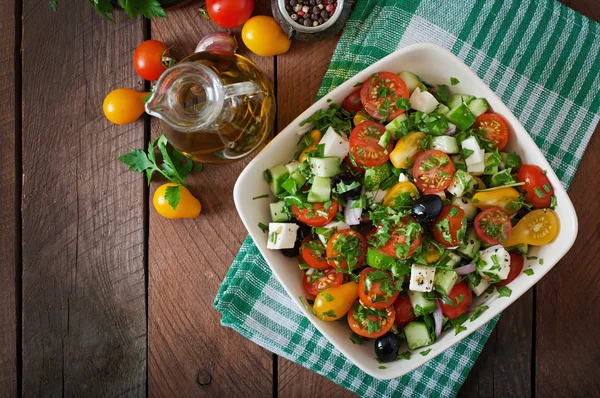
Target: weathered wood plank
8, 211
299, 75
84, 313
190, 353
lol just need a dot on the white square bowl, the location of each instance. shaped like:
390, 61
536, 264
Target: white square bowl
433, 64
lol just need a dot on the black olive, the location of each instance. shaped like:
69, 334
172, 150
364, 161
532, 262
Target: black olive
427, 208
347, 179
294, 251
386, 347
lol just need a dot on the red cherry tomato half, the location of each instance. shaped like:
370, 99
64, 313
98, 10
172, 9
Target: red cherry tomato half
148, 59
376, 288
319, 280
356, 169
397, 239
404, 311
380, 93
346, 249
352, 102
460, 289
313, 217
516, 267
229, 13
359, 324
433, 171
492, 226
496, 128
537, 188
450, 226
313, 253
364, 145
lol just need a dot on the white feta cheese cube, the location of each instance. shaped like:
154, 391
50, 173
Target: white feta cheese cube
376, 196
423, 101
497, 263
480, 288
281, 235
421, 278
402, 177
335, 144
477, 155
461, 183
476, 169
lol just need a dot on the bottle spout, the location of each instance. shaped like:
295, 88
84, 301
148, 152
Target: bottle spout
157, 105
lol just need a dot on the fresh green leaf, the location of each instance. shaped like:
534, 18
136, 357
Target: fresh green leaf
541, 261
137, 160
382, 367
303, 301
260, 196
148, 8
103, 7
173, 195
454, 81
328, 297
404, 355
425, 352
503, 291
356, 339
528, 272
478, 311
53, 5
263, 227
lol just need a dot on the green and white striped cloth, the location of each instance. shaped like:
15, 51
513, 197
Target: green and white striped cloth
540, 57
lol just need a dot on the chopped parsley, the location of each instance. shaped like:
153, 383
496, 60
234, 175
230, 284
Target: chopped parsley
465, 153
263, 227
330, 314
541, 261
478, 311
382, 367
454, 81
460, 298
403, 103
404, 355
503, 291
425, 352
447, 300
528, 272
356, 339
260, 197
303, 301
539, 193
328, 297
532, 258
547, 188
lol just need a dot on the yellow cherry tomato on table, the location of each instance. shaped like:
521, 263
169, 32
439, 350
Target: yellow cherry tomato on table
123, 105
333, 303
264, 37
537, 228
188, 207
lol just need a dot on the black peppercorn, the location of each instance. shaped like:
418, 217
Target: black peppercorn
314, 17
307, 22
301, 21
311, 2
293, 3
321, 20
324, 14
316, 10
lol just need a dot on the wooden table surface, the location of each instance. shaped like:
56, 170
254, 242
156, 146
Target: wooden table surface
102, 297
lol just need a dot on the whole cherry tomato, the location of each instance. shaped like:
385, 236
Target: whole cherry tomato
188, 206
151, 59
123, 105
229, 13
264, 37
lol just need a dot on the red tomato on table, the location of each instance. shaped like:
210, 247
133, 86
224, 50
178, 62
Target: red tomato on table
148, 59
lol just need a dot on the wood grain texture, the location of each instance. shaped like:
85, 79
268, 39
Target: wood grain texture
84, 313
300, 72
8, 210
568, 302
190, 353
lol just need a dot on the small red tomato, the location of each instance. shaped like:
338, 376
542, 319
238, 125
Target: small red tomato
516, 266
148, 59
537, 188
462, 304
352, 102
229, 13
404, 311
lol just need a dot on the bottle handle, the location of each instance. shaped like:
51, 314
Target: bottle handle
237, 89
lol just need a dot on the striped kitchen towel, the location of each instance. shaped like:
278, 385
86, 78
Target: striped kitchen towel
540, 57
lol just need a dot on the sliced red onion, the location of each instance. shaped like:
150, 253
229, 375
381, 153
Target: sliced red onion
451, 129
465, 269
352, 216
452, 247
438, 319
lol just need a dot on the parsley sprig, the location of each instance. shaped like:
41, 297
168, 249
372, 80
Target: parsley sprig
148, 8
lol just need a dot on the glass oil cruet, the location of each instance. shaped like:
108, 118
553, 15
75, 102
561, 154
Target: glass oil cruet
214, 106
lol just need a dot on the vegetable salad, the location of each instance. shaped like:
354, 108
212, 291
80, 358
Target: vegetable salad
401, 205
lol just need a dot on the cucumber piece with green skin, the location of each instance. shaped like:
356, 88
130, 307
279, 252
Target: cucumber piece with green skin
417, 335
279, 212
457, 99
376, 175
411, 80
445, 144
325, 167
491, 162
453, 260
501, 178
395, 126
471, 245
275, 177
461, 116
294, 182
510, 160
320, 191
444, 280
292, 166
461, 183
443, 109
523, 248
421, 305
478, 106
467, 206
459, 162
377, 258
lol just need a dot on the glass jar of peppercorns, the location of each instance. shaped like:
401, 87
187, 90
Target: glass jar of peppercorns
311, 20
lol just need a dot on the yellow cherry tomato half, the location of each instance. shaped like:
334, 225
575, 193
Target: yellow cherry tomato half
188, 206
508, 199
123, 105
264, 37
479, 183
537, 228
333, 303
360, 117
433, 254
315, 136
407, 149
401, 194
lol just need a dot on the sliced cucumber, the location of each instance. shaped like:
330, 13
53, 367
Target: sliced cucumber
453, 259
279, 212
523, 248
459, 163
467, 206
376, 175
501, 178
275, 177
421, 305
294, 182
461, 116
417, 335
492, 163
443, 109
411, 80
377, 258
444, 280
462, 182
292, 166
325, 167
457, 99
478, 106
320, 191
471, 244
395, 126
445, 144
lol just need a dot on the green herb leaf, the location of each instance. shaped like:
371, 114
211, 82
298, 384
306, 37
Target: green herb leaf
328, 297
539, 193
53, 5
478, 311
137, 160
460, 298
454, 81
303, 301
263, 227
425, 352
528, 272
173, 196
103, 7
503, 291
382, 367
404, 355
148, 8
447, 300
356, 339
260, 196
541, 262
